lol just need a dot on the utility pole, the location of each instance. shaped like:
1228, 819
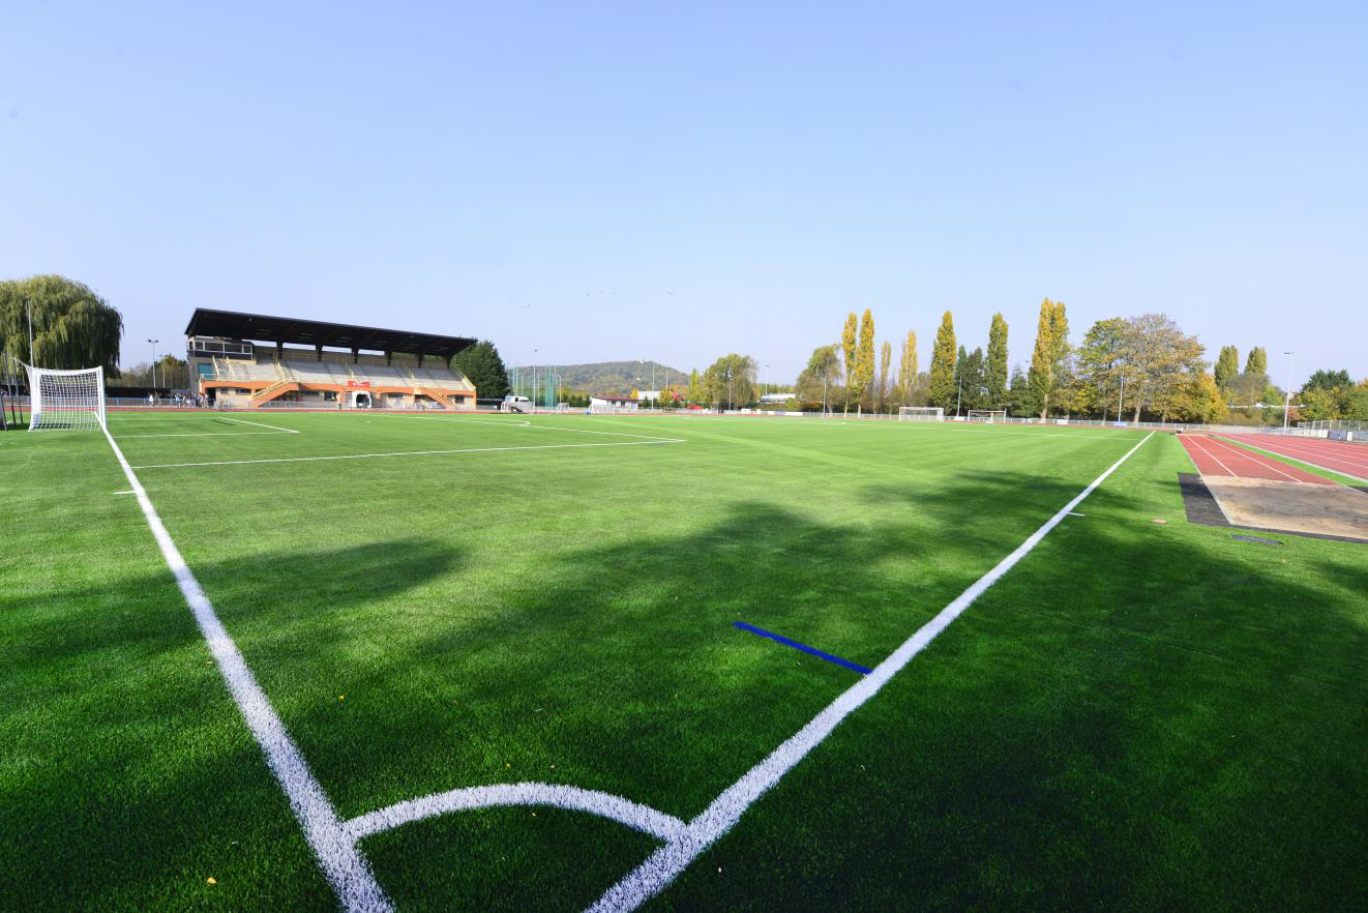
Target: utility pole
28, 305
959, 396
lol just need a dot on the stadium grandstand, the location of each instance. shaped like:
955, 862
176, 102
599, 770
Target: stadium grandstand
254, 361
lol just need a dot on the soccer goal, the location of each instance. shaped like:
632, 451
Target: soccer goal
66, 400
987, 415
921, 414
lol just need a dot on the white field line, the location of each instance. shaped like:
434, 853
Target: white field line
541, 427
638, 817
243, 421
665, 864
446, 418
126, 437
342, 863
648, 437
1316, 458
527, 424
406, 453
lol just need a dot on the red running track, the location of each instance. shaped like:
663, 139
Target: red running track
1337, 456
1218, 458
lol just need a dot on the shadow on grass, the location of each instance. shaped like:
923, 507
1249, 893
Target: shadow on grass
129, 777
1137, 716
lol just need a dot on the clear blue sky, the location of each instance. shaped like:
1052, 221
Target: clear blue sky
677, 181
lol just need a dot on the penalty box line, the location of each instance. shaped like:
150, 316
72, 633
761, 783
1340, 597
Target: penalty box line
665, 864
222, 418
407, 453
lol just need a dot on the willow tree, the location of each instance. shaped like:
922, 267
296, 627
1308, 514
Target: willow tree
72, 326
731, 379
940, 388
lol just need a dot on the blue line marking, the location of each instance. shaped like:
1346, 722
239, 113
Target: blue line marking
855, 667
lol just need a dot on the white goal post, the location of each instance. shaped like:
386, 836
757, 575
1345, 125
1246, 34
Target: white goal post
921, 414
66, 400
988, 415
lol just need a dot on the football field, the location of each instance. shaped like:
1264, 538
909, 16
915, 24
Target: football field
366, 661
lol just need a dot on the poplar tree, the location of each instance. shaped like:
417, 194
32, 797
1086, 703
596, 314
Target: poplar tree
1051, 348
995, 368
848, 346
1227, 366
864, 361
907, 368
940, 388
695, 388
1258, 361
885, 359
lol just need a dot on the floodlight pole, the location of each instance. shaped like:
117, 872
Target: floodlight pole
1287, 403
154, 360
1122, 398
959, 396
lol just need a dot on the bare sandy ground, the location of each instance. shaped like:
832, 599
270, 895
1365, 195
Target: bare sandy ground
1332, 510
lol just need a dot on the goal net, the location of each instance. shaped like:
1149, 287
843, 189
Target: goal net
987, 415
66, 400
921, 414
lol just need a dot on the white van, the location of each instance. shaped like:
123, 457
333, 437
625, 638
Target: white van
516, 404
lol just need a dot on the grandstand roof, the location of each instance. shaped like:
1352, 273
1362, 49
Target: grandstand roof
261, 328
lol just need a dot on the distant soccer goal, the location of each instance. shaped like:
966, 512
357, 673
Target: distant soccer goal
66, 400
921, 414
988, 416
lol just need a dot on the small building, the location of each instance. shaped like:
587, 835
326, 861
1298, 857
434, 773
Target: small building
612, 402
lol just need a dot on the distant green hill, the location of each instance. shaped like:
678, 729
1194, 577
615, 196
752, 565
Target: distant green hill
613, 378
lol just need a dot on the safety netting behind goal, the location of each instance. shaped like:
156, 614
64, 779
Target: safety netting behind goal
66, 400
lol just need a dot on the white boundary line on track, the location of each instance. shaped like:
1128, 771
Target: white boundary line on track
342, 863
1309, 462
1196, 442
666, 863
1249, 456
638, 817
406, 453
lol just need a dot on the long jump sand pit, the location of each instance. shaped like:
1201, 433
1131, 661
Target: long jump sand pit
1322, 510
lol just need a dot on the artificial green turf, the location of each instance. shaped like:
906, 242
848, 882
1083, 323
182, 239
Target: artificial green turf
1138, 715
